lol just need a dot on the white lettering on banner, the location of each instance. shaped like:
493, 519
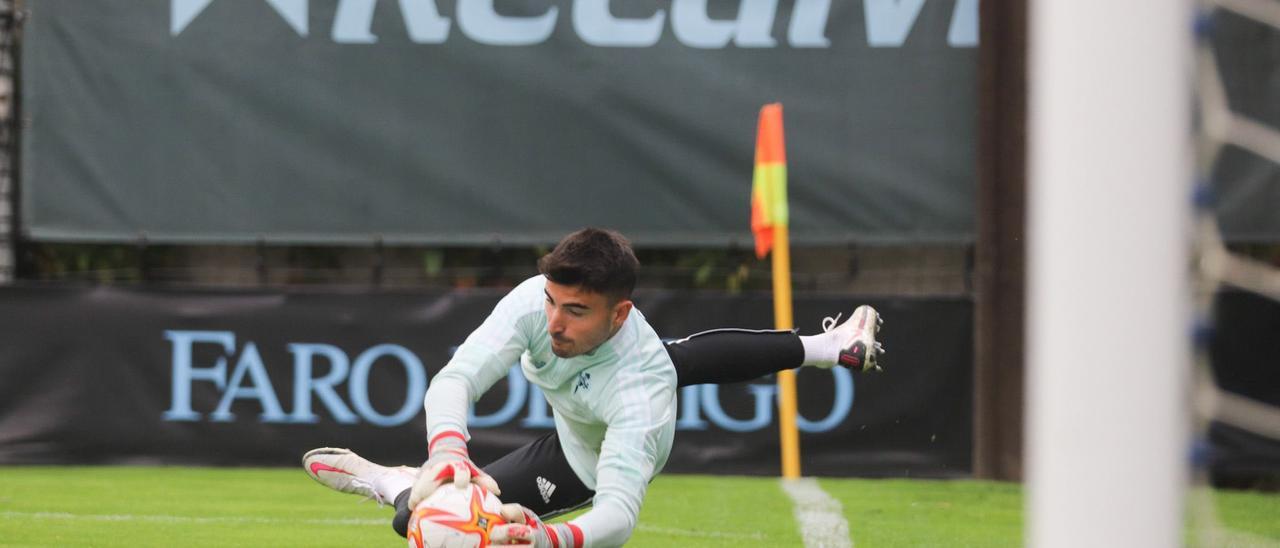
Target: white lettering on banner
259, 389
894, 19
353, 22
250, 381
964, 25
304, 384
692, 26
598, 27
809, 23
700, 406
706, 398
184, 373
481, 23
888, 23
414, 389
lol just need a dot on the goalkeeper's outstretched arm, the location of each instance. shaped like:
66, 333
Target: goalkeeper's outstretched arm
479, 363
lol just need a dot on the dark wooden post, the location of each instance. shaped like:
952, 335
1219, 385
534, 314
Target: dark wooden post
1000, 255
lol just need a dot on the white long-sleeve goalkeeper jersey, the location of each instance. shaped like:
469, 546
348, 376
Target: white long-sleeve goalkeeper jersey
614, 408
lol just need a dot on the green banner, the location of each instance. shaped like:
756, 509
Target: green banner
477, 121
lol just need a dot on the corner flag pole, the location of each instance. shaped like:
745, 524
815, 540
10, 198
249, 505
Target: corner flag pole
789, 434
769, 219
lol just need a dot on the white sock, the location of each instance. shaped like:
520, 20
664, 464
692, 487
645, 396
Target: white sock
391, 484
821, 350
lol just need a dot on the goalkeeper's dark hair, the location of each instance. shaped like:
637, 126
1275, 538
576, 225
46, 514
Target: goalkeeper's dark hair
595, 259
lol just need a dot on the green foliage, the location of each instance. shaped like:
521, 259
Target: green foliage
729, 269
83, 262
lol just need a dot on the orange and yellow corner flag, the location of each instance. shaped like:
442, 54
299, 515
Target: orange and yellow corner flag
769, 183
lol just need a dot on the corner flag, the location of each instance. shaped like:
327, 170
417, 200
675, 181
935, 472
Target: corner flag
769, 183
769, 223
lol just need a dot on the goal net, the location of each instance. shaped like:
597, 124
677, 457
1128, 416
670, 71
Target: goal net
1221, 124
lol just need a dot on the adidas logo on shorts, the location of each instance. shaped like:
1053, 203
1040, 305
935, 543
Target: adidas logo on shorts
545, 488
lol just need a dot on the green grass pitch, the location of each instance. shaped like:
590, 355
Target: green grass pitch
172, 506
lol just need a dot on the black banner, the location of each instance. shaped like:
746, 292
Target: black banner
470, 121
108, 375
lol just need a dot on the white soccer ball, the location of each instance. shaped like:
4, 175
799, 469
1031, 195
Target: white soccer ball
455, 517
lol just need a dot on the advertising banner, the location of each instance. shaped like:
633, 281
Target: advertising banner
109, 375
474, 121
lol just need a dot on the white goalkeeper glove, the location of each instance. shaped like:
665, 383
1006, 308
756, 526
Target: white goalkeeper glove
524, 528
448, 461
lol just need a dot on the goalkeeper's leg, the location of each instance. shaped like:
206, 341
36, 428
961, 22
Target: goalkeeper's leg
536, 476
723, 356
344, 471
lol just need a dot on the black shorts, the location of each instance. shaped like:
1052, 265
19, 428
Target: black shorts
538, 477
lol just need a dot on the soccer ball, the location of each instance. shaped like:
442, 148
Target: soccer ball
455, 517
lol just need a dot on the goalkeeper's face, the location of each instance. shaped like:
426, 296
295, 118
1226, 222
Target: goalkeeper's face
580, 320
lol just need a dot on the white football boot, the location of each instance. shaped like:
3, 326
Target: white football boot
859, 350
343, 470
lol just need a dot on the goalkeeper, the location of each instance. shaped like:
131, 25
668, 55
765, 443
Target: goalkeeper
611, 383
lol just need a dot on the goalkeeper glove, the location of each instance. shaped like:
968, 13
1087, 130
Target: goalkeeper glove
524, 528
448, 461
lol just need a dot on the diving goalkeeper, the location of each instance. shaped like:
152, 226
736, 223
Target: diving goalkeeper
611, 383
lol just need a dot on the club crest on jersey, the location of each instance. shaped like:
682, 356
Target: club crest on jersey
584, 382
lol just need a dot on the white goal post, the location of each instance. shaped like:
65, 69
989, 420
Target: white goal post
1110, 167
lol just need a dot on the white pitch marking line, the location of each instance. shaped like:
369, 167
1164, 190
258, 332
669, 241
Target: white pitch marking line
821, 517
154, 518
183, 519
